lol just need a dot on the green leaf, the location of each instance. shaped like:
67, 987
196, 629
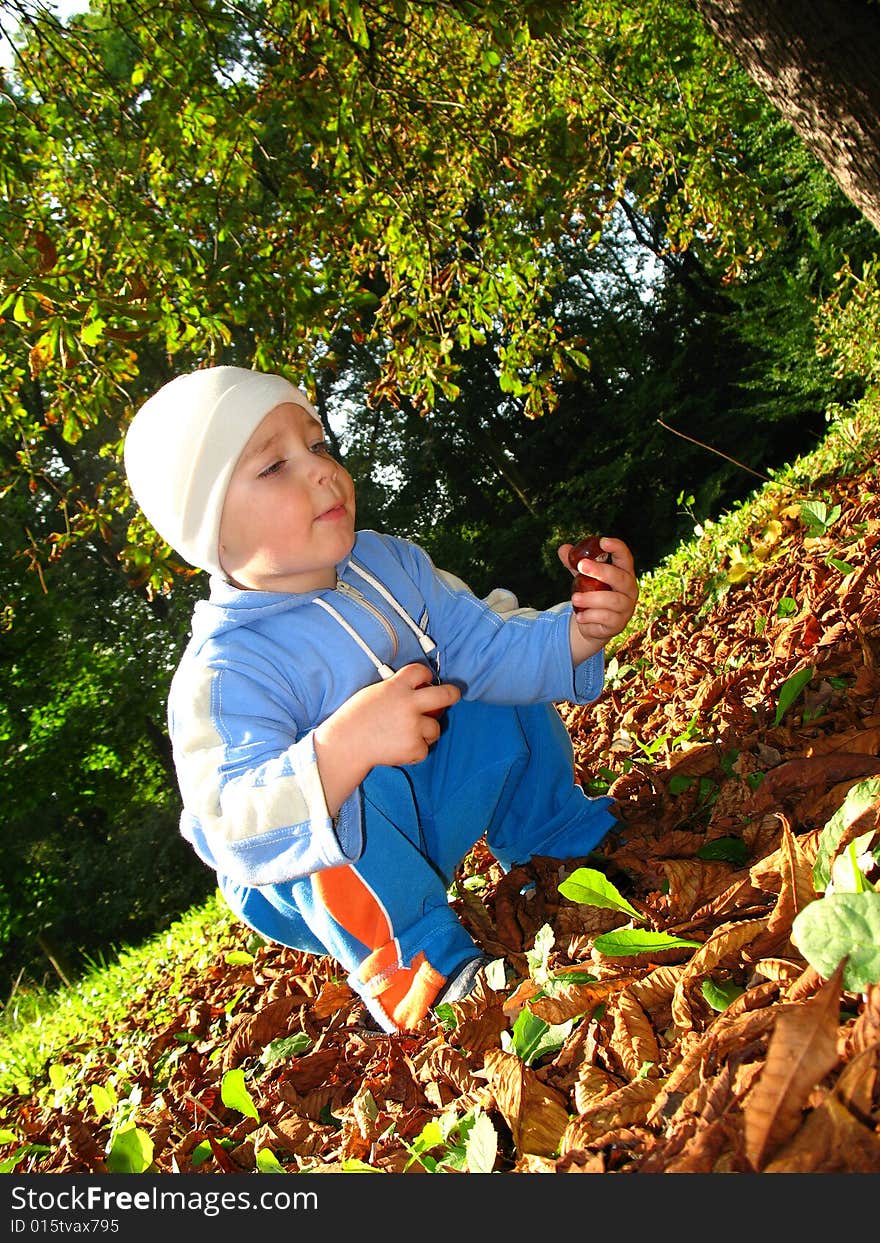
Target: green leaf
238, 958
286, 1047
843, 566
7, 1166
817, 517
591, 888
786, 607
268, 1163
858, 800
235, 1095
430, 1136
533, 1037
7, 1137
622, 941
90, 334
846, 875
201, 1153
719, 996
573, 975
727, 849
538, 956
790, 691
131, 1152
57, 1075
352, 1165
104, 1099
446, 1015
842, 925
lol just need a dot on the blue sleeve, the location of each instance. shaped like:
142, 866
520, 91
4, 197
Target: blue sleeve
509, 657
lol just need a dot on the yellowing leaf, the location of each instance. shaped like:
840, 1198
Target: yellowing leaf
535, 1113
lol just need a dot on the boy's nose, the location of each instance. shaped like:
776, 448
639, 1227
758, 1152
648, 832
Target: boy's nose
322, 468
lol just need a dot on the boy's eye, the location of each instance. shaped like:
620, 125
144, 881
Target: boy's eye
320, 446
271, 470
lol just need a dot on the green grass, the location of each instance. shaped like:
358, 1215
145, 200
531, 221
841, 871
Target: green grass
851, 443
38, 1025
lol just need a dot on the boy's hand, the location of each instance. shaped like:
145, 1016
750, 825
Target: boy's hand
599, 615
391, 722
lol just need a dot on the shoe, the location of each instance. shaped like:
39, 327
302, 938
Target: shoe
462, 981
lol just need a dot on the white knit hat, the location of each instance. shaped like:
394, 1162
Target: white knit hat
182, 446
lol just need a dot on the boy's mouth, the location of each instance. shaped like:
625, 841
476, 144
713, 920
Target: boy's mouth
333, 514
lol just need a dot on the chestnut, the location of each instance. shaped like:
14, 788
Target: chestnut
587, 547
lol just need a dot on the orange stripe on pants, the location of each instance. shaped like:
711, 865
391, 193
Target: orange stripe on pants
404, 992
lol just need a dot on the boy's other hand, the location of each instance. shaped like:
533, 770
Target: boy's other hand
390, 722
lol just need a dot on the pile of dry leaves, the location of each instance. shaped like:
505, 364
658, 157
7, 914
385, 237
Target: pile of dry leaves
653, 1078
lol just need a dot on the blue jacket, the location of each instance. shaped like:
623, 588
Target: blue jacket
262, 670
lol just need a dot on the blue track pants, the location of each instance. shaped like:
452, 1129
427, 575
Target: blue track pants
500, 771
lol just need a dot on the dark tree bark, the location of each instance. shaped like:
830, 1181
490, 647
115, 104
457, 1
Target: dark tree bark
818, 62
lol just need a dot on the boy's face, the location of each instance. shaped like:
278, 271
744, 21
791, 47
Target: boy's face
288, 516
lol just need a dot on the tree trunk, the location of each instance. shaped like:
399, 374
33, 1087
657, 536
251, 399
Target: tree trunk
818, 62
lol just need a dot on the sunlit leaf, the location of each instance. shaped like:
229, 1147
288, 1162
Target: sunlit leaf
860, 798
235, 1095
104, 1099
268, 1163
624, 941
131, 1152
592, 888
532, 1037
838, 926
481, 1147
286, 1047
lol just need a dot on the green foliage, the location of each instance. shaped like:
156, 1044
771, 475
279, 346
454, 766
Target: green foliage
720, 995
848, 322
592, 888
844, 924
286, 1047
293, 183
234, 1093
818, 518
268, 1163
790, 690
38, 1023
467, 1144
131, 1152
859, 799
622, 942
532, 1037
728, 849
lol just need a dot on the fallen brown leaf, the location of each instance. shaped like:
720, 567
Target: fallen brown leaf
802, 1051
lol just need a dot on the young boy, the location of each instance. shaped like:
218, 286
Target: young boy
347, 720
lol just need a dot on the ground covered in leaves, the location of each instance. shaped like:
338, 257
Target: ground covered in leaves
723, 789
